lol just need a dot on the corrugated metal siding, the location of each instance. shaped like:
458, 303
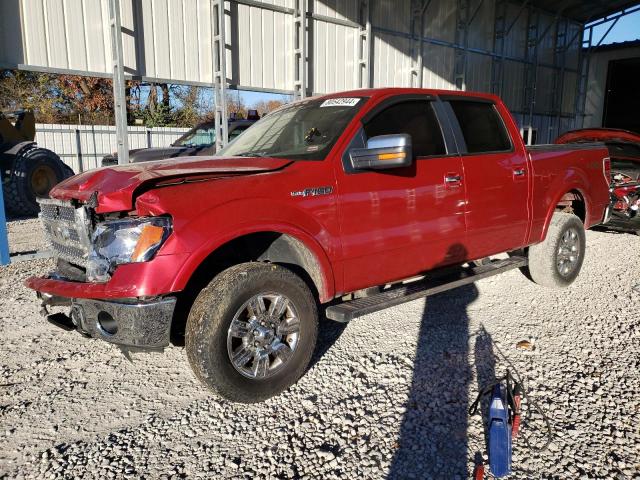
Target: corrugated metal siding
168, 39
513, 84
262, 40
544, 89
334, 52
478, 77
440, 20
392, 15
515, 41
10, 32
569, 92
481, 31
97, 141
172, 39
338, 9
437, 67
391, 61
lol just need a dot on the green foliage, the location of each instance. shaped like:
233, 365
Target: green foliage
160, 116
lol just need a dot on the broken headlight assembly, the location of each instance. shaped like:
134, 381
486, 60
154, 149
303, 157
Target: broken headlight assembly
129, 240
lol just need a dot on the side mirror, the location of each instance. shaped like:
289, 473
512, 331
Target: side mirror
383, 152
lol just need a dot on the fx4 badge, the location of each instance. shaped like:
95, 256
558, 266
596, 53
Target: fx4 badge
312, 192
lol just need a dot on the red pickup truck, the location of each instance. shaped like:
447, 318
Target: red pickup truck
353, 201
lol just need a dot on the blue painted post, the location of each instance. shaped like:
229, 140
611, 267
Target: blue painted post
5, 259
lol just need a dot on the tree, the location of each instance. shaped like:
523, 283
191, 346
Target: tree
191, 104
235, 105
89, 98
265, 107
158, 111
30, 90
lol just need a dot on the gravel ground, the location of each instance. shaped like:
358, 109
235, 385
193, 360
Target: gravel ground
387, 396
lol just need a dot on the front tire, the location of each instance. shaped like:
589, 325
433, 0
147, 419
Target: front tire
251, 332
557, 260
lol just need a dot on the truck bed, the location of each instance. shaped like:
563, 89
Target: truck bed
587, 159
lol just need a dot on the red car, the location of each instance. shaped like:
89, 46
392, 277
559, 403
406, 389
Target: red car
335, 200
624, 150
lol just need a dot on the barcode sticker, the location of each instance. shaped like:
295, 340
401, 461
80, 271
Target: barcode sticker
340, 102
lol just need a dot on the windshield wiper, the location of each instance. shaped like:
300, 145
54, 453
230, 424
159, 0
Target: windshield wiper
252, 154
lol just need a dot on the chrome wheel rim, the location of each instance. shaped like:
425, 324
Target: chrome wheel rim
568, 252
264, 333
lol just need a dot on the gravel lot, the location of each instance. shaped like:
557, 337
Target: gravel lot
387, 396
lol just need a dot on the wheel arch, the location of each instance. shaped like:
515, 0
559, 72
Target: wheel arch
295, 250
573, 200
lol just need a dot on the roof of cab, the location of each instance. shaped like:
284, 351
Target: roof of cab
381, 92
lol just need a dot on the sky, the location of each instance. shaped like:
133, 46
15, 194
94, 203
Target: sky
627, 28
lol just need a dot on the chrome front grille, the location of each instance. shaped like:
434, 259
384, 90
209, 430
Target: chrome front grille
66, 229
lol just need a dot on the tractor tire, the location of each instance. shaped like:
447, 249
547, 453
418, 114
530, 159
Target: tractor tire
556, 261
251, 332
36, 171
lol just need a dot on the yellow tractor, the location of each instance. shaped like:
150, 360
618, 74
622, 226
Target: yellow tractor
28, 171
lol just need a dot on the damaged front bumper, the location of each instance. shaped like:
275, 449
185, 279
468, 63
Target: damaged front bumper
127, 322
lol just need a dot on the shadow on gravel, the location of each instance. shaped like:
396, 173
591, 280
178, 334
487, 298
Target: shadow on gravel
433, 440
328, 333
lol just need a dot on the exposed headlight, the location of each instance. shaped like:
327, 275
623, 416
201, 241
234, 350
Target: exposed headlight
125, 241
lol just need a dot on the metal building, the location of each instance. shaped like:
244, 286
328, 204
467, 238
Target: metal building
613, 99
528, 51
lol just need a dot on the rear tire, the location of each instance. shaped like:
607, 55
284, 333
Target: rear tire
36, 171
222, 326
557, 260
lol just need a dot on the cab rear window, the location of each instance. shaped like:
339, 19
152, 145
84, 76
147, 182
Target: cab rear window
482, 127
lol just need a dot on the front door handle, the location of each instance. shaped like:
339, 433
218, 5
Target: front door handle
452, 179
519, 172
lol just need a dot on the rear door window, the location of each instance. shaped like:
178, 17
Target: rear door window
414, 117
482, 127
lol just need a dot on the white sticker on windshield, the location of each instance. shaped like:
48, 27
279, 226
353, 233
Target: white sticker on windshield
340, 102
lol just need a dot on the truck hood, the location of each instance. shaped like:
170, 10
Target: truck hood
115, 187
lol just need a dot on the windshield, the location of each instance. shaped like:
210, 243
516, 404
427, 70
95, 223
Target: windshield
302, 131
202, 136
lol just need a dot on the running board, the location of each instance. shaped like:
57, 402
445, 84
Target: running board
436, 282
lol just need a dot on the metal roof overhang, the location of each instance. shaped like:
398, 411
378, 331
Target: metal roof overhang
583, 11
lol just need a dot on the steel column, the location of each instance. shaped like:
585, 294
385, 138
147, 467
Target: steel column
464, 21
559, 59
531, 67
220, 74
363, 48
418, 12
5, 258
119, 95
299, 49
416, 41
499, 34
462, 36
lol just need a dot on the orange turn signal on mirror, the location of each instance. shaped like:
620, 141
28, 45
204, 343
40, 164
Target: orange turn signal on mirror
391, 156
150, 237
